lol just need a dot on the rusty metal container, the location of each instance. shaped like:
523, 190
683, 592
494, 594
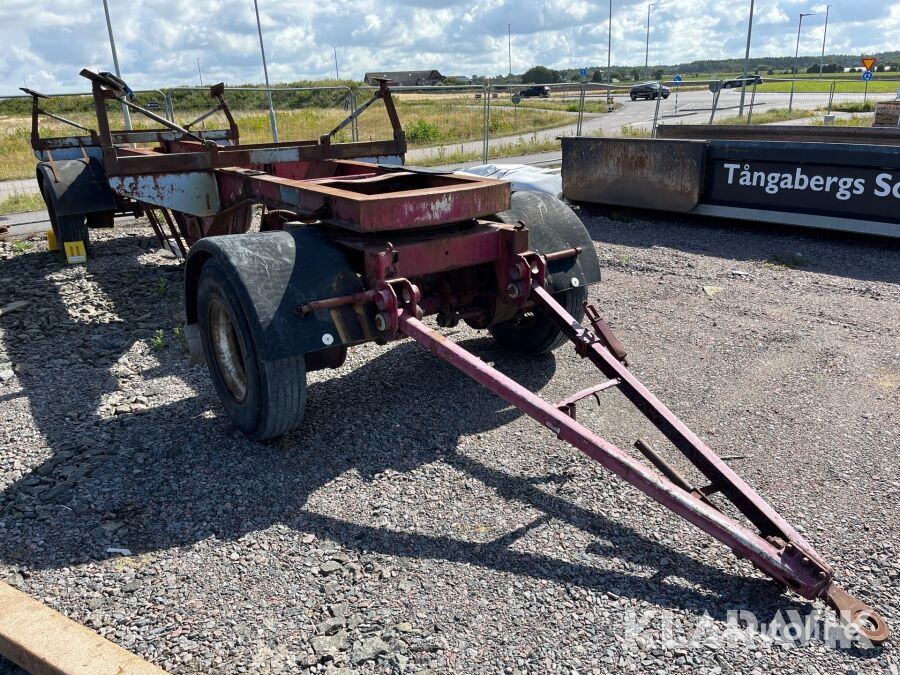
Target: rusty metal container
653, 174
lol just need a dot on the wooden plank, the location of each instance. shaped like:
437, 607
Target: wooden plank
44, 642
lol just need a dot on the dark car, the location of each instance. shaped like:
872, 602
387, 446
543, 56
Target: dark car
535, 92
748, 81
649, 90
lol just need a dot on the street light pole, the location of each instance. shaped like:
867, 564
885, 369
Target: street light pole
647, 49
509, 45
824, 35
609, 48
337, 75
796, 54
746, 61
112, 43
262, 50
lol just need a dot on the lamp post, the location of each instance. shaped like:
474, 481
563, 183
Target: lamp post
824, 35
647, 48
337, 74
609, 48
112, 43
746, 61
262, 50
509, 45
796, 54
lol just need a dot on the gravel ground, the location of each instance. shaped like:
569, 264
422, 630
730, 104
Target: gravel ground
418, 524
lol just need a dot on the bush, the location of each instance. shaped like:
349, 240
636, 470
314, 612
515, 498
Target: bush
423, 131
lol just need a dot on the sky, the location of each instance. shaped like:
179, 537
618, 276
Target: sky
46, 42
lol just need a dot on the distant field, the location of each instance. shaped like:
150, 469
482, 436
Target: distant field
428, 121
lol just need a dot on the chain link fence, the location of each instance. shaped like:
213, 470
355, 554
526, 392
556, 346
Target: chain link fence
20, 199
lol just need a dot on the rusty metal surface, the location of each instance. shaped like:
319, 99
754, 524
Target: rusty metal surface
759, 132
389, 200
194, 192
643, 173
44, 642
776, 548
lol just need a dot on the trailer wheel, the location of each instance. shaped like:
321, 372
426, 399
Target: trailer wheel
264, 399
72, 228
533, 332
66, 228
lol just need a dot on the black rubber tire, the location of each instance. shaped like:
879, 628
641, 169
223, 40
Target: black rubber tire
532, 332
72, 228
66, 228
634, 97
274, 393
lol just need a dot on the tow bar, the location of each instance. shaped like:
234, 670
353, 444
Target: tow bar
776, 548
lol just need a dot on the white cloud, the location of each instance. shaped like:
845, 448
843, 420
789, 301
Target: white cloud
46, 43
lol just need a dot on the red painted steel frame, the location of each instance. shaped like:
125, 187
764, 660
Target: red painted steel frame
778, 550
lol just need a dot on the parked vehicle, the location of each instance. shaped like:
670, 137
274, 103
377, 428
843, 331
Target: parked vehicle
748, 81
535, 92
649, 91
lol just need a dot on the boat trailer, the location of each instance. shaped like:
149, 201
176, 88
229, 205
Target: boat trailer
354, 252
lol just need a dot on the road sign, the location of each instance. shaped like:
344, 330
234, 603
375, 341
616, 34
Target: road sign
516, 99
867, 75
583, 72
868, 62
677, 80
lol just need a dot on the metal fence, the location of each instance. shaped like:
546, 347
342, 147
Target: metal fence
20, 199
451, 126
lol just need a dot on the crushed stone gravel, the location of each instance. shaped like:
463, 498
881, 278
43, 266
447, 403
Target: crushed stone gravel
416, 523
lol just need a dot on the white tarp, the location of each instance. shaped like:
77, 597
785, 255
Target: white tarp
524, 177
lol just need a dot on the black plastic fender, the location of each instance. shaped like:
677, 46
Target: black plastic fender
553, 226
274, 274
76, 186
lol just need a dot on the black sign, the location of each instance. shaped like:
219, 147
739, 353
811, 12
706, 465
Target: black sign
865, 193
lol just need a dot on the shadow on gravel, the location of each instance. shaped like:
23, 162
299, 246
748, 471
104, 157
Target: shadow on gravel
179, 473
842, 254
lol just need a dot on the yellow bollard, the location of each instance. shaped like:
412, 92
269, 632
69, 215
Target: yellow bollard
52, 244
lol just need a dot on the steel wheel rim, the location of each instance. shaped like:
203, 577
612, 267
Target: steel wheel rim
226, 348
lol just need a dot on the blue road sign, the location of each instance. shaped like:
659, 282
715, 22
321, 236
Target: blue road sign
583, 72
677, 79
867, 75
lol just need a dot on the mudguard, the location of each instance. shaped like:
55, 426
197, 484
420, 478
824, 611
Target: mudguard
76, 186
553, 226
274, 273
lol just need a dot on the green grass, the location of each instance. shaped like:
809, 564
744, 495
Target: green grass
843, 86
529, 146
21, 203
853, 106
631, 131
22, 246
768, 117
852, 121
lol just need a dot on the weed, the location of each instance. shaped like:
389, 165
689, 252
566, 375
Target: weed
423, 132
158, 340
854, 106
161, 287
181, 339
786, 261
22, 246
